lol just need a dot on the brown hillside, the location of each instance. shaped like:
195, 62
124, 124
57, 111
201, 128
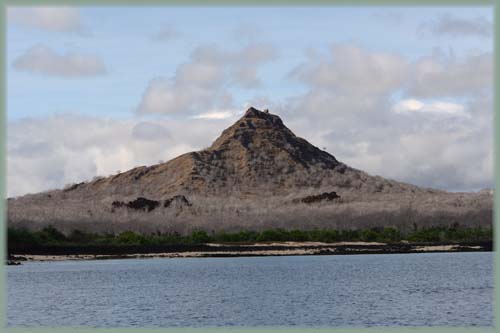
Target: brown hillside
256, 174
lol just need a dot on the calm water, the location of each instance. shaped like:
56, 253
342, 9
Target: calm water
452, 289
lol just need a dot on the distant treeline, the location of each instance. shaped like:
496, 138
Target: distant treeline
50, 236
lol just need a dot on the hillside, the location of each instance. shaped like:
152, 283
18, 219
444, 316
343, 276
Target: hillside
256, 175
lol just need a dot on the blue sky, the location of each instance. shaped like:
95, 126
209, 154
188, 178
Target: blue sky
124, 38
298, 61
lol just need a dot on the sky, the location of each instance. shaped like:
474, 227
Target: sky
401, 92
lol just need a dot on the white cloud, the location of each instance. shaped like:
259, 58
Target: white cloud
150, 131
62, 19
457, 160
347, 109
216, 114
452, 26
442, 152
43, 60
439, 75
203, 82
347, 83
361, 77
414, 105
350, 69
49, 152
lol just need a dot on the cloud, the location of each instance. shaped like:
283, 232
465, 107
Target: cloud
456, 156
61, 19
348, 69
43, 60
346, 83
439, 75
451, 26
414, 105
166, 33
217, 114
350, 80
202, 82
49, 152
149, 131
439, 152
437, 134
380, 112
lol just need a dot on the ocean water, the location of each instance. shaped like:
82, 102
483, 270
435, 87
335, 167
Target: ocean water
428, 289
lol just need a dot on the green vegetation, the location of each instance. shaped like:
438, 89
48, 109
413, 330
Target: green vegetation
50, 236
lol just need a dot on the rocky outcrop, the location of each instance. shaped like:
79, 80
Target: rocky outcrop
326, 196
137, 204
147, 205
179, 199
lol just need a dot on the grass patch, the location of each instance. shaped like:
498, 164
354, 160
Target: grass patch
50, 236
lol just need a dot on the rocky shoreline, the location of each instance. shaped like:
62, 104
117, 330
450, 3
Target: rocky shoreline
57, 253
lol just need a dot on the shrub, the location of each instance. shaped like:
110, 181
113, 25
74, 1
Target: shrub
80, 237
130, 238
369, 236
51, 235
21, 237
271, 235
199, 237
390, 235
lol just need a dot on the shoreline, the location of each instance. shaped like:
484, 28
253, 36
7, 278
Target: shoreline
17, 256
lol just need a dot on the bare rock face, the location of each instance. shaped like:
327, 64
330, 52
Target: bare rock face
256, 175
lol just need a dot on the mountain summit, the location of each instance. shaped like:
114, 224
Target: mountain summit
260, 132
256, 174
258, 155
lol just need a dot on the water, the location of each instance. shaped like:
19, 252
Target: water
451, 289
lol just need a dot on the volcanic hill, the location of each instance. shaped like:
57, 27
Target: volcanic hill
256, 175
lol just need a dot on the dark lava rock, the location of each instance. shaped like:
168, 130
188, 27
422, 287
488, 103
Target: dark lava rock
326, 196
178, 198
138, 204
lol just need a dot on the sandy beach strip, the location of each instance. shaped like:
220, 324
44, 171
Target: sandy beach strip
288, 249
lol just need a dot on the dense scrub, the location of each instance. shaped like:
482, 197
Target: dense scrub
50, 236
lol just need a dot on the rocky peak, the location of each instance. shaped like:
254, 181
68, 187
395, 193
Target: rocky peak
253, 114
262, 133
254, 126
